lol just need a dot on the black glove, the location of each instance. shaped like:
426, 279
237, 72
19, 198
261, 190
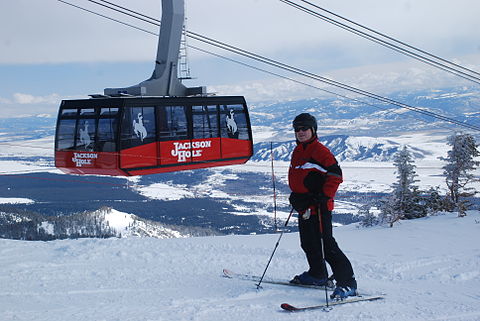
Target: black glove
300, 201
320, 198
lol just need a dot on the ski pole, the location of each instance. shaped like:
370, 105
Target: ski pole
323, 248
274, 189
276, 245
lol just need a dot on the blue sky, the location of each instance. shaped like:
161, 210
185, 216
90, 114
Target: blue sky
50, 51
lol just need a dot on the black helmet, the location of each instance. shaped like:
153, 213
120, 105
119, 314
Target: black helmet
305, 120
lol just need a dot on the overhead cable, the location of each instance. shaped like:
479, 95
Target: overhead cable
328, 81
289, 68
396, 45
393, 39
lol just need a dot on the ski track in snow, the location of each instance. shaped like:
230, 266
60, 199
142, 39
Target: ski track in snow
428, 269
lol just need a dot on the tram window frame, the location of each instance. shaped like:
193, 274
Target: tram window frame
170, 127
106, 140
106, 136
128, 137
66, 139
205, 121
241, 121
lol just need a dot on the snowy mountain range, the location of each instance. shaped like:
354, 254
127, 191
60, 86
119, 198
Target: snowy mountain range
369, 118
345, 148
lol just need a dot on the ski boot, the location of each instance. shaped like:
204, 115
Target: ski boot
343, 292
306, 279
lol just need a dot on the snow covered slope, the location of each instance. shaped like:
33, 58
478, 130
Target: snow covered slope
104, 222
427, 267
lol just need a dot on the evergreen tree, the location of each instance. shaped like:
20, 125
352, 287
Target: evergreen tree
460, 163
405, 201
435, 202
369, 219
389, 212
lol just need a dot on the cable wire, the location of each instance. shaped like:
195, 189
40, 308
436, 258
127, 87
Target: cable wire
392, 46
261, 69
328, 81
393, 39
299, 71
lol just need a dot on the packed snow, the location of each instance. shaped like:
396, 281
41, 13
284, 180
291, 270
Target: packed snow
117, 220
164, 191
427, 268
128, 225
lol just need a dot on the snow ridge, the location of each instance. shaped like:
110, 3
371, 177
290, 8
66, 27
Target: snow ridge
344, 147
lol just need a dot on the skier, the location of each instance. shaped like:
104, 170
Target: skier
314, 177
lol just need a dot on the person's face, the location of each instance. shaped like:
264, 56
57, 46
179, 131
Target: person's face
303, 134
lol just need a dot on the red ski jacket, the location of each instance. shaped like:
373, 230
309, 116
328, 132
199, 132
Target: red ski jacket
314, 159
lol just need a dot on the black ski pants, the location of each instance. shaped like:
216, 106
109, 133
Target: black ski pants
310, 240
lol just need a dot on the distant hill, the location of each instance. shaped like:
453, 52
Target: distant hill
103, 223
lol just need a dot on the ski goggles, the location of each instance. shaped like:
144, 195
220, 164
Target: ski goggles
303, 129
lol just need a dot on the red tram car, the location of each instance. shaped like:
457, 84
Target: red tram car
146, 135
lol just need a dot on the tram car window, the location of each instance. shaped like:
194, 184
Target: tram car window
205, 122
66, 134
235, 122
107, 130
172, 122
138, 126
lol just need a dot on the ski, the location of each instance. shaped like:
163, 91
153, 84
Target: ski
255, 278
354, 299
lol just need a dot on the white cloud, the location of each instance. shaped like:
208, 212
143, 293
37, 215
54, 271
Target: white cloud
25, 99
27, 105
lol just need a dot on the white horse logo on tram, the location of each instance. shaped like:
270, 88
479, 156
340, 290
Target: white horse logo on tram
232, 127
84, 136
138, 127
